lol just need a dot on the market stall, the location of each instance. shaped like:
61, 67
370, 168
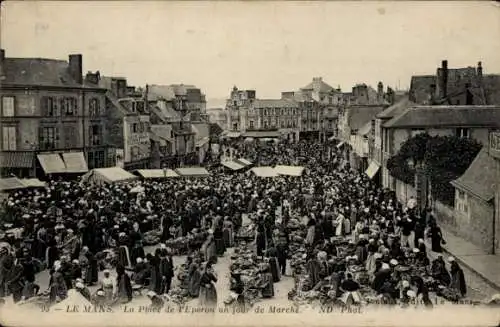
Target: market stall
157, 173
192, 172
264, 171
232, 165
107, 176
289, 170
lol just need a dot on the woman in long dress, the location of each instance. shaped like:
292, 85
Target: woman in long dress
208, 292
136, 244
124, 286
195, 273
58, 289
209, 246
228, 232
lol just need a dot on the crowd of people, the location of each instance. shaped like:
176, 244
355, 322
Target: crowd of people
322, 224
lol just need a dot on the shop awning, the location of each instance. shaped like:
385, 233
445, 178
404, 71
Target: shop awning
244, 162
340, 144
480, 178
52, 163
289, 170
16, 159
203, 141
11, 183
233, 134
264, 171
372, 169
157, 173
108, 175
75, 162
262, 134
33, 182
192, 172
233, 165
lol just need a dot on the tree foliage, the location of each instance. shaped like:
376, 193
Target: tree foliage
446, 158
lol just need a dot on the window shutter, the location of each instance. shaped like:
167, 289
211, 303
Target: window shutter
43, 106
12, 138
56, 137
5, 138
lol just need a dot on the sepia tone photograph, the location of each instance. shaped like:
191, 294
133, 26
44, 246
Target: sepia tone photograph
242, 163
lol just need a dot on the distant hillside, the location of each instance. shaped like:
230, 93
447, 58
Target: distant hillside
216, 103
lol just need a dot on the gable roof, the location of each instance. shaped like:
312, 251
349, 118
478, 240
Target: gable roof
360, 115
480, 178
39, 72
318, 85
452, 116
396, 108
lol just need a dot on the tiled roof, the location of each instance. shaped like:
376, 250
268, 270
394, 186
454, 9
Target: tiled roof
274, 103
360, 115
456, 116
16, 159
156, 92
38, 71
396, 108
318, 86
480, 178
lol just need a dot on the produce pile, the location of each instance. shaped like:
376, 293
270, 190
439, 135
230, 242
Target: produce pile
179, 245
246, 262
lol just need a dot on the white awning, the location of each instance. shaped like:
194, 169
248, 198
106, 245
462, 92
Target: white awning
372, 169
340, 145
264, 171
108, 175
289, 170
157, 173
232, 165
75, 162
192, 171
33, 182
52, 163
244, 162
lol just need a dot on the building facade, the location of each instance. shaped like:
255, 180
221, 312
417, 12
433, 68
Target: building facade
47, 108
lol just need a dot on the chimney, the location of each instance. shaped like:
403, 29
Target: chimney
380, 91
443, 79
479, 70
2, 59
75, 67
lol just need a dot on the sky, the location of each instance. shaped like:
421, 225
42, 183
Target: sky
267, 46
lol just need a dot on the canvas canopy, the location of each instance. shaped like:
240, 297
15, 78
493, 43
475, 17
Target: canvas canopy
289, 170
52, 163
192, 172
157, 173
33, 182
75, 162
108, 175
11, 183
372, 169
244, 162
232, 165
264, 171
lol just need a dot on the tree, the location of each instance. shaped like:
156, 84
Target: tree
446, 158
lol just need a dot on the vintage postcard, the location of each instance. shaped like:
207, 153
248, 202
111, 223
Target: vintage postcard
249, 163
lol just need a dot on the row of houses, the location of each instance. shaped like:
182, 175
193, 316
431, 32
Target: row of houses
312, 111
463, 102
54, 119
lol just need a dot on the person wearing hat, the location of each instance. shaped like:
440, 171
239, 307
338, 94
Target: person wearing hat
57, 285
75, 270
123, 285
238, 287
439, 271
13, 277
108, 286
208, 292
194, 277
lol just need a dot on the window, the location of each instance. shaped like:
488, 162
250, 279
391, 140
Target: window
90, 160
282, 124
462, 132
49, 107
95, 135
70, 136
251, 124
94, 107
49, 137
8, 106
68, 106
99, 159
9, 138
461, 202
135, 128
235, 126
265, 123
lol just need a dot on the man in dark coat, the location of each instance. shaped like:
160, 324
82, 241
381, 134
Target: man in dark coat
14, 278
166, 270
